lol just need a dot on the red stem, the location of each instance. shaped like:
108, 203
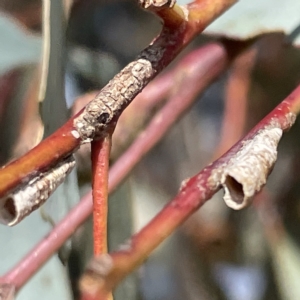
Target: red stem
100, 166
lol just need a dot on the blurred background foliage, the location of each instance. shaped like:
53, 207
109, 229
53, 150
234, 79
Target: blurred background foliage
218, 253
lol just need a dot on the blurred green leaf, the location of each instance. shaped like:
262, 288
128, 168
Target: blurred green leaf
286, 261
18, 47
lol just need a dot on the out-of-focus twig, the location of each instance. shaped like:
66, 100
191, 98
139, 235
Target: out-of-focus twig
140, 111
236, 99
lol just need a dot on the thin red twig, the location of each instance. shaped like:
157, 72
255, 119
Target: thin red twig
100, 167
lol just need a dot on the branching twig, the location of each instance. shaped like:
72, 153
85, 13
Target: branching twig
106, 271
103, 112
207, 63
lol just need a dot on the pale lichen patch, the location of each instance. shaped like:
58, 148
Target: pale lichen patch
126, 246
290, 120
101, 265
75, 134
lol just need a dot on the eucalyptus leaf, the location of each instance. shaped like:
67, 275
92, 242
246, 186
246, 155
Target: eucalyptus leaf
52, 93
246, 19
